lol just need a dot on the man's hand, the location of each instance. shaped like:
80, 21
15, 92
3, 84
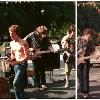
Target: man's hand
80, 60
68, 54
14, 63
55, 50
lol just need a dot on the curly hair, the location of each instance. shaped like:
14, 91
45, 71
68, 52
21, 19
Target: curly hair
15, 28
44, 28
88, 31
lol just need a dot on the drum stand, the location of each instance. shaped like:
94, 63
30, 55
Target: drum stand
50, 74
6, 70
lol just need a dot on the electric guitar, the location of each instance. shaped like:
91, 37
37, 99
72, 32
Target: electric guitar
35, 53
82, 58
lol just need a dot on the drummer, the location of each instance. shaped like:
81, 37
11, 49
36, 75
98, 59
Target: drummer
19, 55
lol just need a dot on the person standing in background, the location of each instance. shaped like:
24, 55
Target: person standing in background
68, 42
86, 47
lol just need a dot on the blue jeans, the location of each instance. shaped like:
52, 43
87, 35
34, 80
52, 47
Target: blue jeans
83, 75
19, 81
40, 72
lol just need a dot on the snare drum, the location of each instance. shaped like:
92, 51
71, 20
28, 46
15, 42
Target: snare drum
4, 66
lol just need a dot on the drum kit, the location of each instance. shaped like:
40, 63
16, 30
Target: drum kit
4, 64
4, 83
5, 68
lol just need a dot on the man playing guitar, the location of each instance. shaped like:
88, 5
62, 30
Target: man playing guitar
68, 42
86, 48
39, 40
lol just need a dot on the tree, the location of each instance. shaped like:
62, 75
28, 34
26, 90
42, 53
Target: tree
29, 15
87, 15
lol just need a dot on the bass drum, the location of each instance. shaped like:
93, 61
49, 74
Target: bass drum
4, 89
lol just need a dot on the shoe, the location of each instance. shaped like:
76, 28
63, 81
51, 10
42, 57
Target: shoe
82, 95
66, 85
86, 96
73, 69
44, 87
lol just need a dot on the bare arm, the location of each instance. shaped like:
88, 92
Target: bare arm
28, 36
12, 54
63, 42
26, 52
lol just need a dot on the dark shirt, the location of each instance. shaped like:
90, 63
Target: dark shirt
87, 49
71, 45
35, 41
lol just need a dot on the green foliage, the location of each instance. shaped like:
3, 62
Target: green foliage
58, 32
53, 31
1, 43
29, 15
88, 17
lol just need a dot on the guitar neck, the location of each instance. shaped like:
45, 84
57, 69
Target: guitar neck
43, 52
88, 57
48, 51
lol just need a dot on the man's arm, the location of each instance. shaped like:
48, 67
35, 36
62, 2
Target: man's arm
12, 51
28, 36
12, 55
26, 52
64, 42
